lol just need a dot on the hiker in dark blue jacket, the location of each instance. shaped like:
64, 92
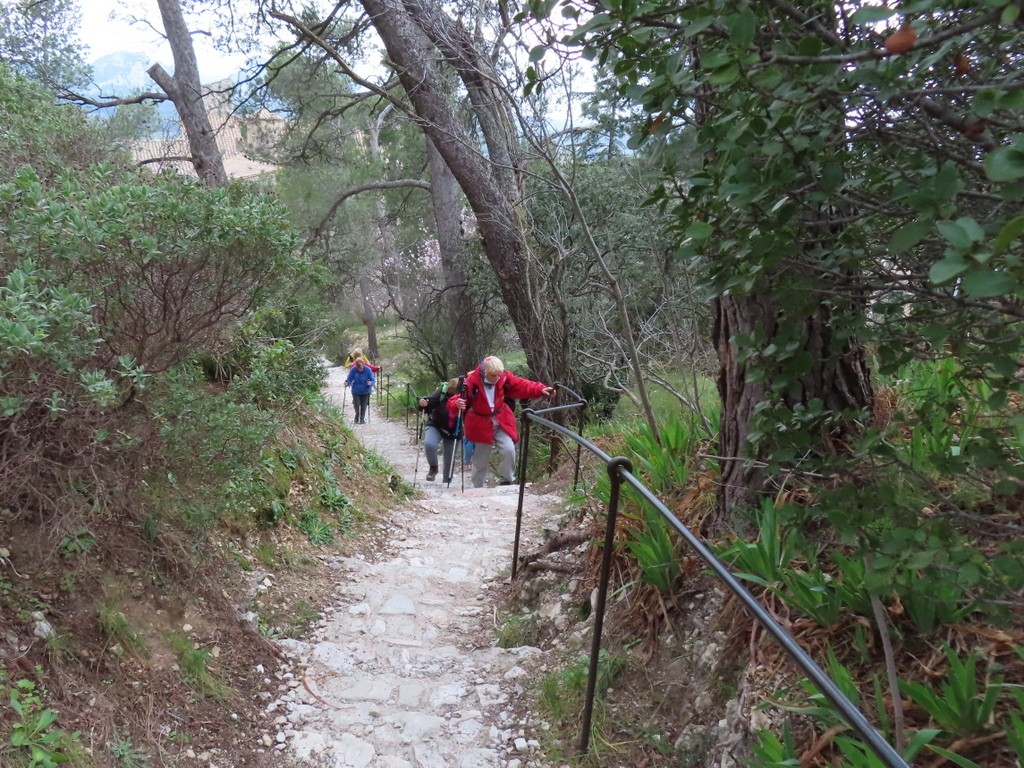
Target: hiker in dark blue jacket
362, 381
441, 427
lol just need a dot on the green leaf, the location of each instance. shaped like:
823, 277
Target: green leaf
537, 53
986, 284
984, 102
909, 235
953, 757
699, 230
1011, 231
955, 234
810, 46
972, 228
741, 28
1005, 163
871, 14
831, 177
724, 76
945, 270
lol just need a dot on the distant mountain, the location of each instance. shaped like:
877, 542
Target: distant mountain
124, 72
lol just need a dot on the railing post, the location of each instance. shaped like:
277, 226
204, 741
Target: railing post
387, 400
524, 452
579, 451
614, 466
579, 446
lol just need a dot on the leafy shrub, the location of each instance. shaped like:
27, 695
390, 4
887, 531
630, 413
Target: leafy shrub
34, 741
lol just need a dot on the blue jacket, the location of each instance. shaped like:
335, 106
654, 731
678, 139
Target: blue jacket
362, 382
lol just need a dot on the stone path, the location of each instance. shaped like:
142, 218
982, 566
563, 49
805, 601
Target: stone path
404, 671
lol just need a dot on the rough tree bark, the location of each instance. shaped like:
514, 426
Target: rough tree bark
839, 377
186, 91
368, 317
485, 181
444, 194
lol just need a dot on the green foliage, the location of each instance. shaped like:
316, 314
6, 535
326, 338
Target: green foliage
169, 263
127, 755
665, 466
319, 531
964, 708
118, 630
813, 593
194, 664
519, 630
77, 543
40, 40
764, 560
37, 132
34, 741
854, 211
1015, 731
302, 617
769, 751
654, 551
562, 692
111, 281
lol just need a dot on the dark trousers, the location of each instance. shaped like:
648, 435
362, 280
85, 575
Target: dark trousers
361, 403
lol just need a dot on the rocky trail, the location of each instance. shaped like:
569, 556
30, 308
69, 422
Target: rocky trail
404, 671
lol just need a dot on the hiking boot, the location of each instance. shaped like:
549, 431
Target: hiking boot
431, 474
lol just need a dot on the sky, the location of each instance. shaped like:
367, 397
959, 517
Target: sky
105, 30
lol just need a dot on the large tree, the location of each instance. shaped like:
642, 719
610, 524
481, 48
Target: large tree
39, 39
822, 140
424, 45
183, 88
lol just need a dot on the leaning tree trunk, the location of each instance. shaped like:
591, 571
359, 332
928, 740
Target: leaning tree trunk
186, 91
483, 179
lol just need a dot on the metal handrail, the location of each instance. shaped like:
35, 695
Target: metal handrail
620, 470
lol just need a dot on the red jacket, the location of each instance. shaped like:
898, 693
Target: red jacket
477, 418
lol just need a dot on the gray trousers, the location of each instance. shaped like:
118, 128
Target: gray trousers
432, 437
482, 457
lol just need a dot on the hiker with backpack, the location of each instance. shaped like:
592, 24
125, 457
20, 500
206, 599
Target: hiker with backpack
362, 381
356, 354
441, 426
488, 418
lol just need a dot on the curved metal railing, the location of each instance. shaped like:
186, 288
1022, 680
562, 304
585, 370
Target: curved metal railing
620, 470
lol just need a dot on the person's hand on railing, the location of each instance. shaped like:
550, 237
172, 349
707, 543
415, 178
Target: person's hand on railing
423, 402
548, 391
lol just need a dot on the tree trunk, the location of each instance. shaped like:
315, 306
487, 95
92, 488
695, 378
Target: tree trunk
839, 377
369, 320
444, 194
495, 205
186, 91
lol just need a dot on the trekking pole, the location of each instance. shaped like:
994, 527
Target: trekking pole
416, 442
455, 454
344, 391
449, 463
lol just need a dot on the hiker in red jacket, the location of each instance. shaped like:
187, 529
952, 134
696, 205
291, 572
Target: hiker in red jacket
488, 419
